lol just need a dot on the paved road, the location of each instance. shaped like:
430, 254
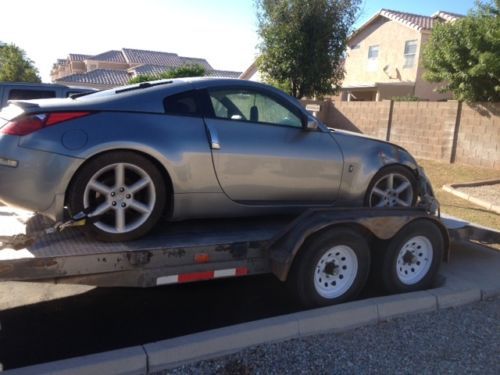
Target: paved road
108, 318
464, 340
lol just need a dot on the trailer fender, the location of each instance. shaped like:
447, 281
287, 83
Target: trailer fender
382, 224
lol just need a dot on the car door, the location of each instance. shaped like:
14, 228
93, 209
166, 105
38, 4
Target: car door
263, 155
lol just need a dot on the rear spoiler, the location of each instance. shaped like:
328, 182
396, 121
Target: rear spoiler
23, 105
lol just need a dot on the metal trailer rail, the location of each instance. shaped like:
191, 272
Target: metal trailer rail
192, 250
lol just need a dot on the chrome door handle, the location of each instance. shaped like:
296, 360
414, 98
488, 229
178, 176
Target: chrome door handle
214, 137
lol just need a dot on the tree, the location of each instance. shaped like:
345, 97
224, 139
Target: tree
465, 55
15, 66
189, 70
303, 42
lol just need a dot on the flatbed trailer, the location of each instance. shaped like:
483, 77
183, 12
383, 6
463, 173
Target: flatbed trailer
314, 252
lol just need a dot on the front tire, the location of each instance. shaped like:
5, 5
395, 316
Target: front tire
331, 268
393, 186
126, 190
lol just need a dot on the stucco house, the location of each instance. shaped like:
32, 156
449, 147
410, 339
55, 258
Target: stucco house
116, 67
384, 57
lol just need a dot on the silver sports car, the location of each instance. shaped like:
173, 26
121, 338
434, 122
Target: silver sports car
189, 148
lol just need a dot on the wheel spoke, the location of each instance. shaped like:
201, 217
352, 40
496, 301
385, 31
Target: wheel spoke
120, 219
100, 188
401, 202
380, 204
378, 192
390, 181
139, 185
404, 185
139, 207
101, 209
119, 175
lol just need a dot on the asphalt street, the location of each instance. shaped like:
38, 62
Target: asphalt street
111, 318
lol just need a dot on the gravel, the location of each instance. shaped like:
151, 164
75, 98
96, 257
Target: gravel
488, 192
454, 341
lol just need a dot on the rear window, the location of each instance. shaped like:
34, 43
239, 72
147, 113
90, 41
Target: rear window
20, 94
183, 104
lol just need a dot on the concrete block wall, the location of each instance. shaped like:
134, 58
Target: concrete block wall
478, 140
426, 129
447, 131
371, 118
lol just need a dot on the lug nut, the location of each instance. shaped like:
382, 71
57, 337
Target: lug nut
122, 190
128, 196
113, 203
113, 194
124, 205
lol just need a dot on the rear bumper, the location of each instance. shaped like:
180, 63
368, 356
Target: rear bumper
34, 180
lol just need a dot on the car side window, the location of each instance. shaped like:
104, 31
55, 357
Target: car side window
182, 104
253, 106
19, 94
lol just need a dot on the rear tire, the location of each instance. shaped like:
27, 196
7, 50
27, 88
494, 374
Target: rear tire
127, 191
330, 268
412, 258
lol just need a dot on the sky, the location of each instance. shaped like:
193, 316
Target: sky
221, 31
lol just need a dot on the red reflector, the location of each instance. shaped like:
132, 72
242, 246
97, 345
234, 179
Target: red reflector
201, 258
187, 277
57, 117
241, 271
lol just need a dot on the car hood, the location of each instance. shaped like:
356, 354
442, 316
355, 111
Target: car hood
361, 137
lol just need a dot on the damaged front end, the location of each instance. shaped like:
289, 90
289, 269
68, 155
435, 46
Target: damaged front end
427, 198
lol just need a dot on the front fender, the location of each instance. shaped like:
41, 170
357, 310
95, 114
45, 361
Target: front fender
363, 158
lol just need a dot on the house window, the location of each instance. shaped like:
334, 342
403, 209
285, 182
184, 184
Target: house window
373, 57
410, 53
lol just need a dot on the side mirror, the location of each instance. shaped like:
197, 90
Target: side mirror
311, 124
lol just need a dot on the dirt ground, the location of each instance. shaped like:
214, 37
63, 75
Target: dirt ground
444, 173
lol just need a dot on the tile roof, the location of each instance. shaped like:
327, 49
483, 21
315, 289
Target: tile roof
193, 60
418, 21
155, 70
112, 56
137, 56
78, 57
148, 69
99, 77
141, 62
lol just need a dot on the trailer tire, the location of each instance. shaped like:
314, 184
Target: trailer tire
331, 268
413, 257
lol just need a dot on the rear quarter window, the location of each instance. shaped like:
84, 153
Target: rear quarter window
182, 104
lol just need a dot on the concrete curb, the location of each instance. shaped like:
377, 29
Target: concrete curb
451, 188
126, 361
174, 352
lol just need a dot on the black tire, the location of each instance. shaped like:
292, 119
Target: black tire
390, 199
136, 168
314, 262
405, 265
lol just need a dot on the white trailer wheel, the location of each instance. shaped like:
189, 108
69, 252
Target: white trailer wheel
331, 267
336, 271
414, 260
412, 257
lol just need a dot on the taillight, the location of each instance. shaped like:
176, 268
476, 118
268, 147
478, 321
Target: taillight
28, 124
